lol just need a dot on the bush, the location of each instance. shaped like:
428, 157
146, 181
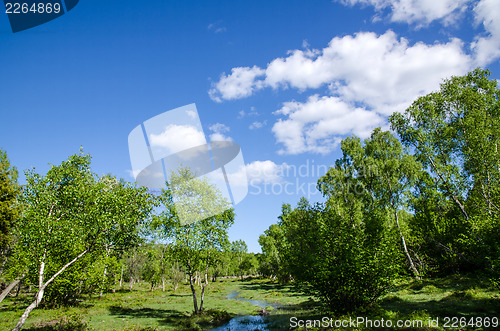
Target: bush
338, 260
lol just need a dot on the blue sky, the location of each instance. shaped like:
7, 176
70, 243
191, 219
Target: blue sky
286, 80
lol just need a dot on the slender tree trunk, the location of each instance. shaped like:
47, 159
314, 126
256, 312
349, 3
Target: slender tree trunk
408, 257
197, 279
103, 281
131, 285
19, 287
9, 288
38, 298
203, 288
121, 278
28, 310
202, 296
42, 286
104, 274
163, 268
193, 290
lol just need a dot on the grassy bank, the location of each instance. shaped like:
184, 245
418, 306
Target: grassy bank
142, 309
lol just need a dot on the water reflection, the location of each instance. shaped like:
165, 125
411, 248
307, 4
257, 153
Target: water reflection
248, 322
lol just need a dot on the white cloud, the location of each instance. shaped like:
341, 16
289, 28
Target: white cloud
487, 48
319, 124
239, 84
381, 71
257, 125
219, 137
218, 130
420, 12
176, 138
386, 73
219, 127
368, 76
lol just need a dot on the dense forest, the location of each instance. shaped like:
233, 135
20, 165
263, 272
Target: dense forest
420, 201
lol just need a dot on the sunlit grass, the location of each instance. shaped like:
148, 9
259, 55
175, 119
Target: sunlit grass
142, 309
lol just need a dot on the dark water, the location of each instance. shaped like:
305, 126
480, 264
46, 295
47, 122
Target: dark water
247, 322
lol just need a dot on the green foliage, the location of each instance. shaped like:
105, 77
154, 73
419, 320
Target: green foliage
333, 255
197, 245
270, 262
9, 209
239, 250
349, 250
249, 264
455, 134
71, 220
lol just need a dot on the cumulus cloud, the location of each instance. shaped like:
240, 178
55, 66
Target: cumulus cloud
487, 48
381, 71
367, 76
218, 132
175, 138
239, 84
319, 124
420, 12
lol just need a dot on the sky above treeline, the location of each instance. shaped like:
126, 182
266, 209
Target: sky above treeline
286, 80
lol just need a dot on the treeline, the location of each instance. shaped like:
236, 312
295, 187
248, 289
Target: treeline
159, 265
71, 234
420, 201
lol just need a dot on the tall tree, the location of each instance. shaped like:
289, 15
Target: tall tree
455, 134
381, 175
196, 243
239, 249
70, 213
349, 249
271, 243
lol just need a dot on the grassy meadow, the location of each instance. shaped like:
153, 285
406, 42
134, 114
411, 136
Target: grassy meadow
143, 309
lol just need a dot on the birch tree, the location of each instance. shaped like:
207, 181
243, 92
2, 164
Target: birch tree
69, 213
196, 245
455, 135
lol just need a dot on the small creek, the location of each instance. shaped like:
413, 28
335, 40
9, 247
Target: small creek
247, 322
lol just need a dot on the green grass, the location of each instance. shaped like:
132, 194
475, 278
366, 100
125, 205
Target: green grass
142, 309
436, 299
